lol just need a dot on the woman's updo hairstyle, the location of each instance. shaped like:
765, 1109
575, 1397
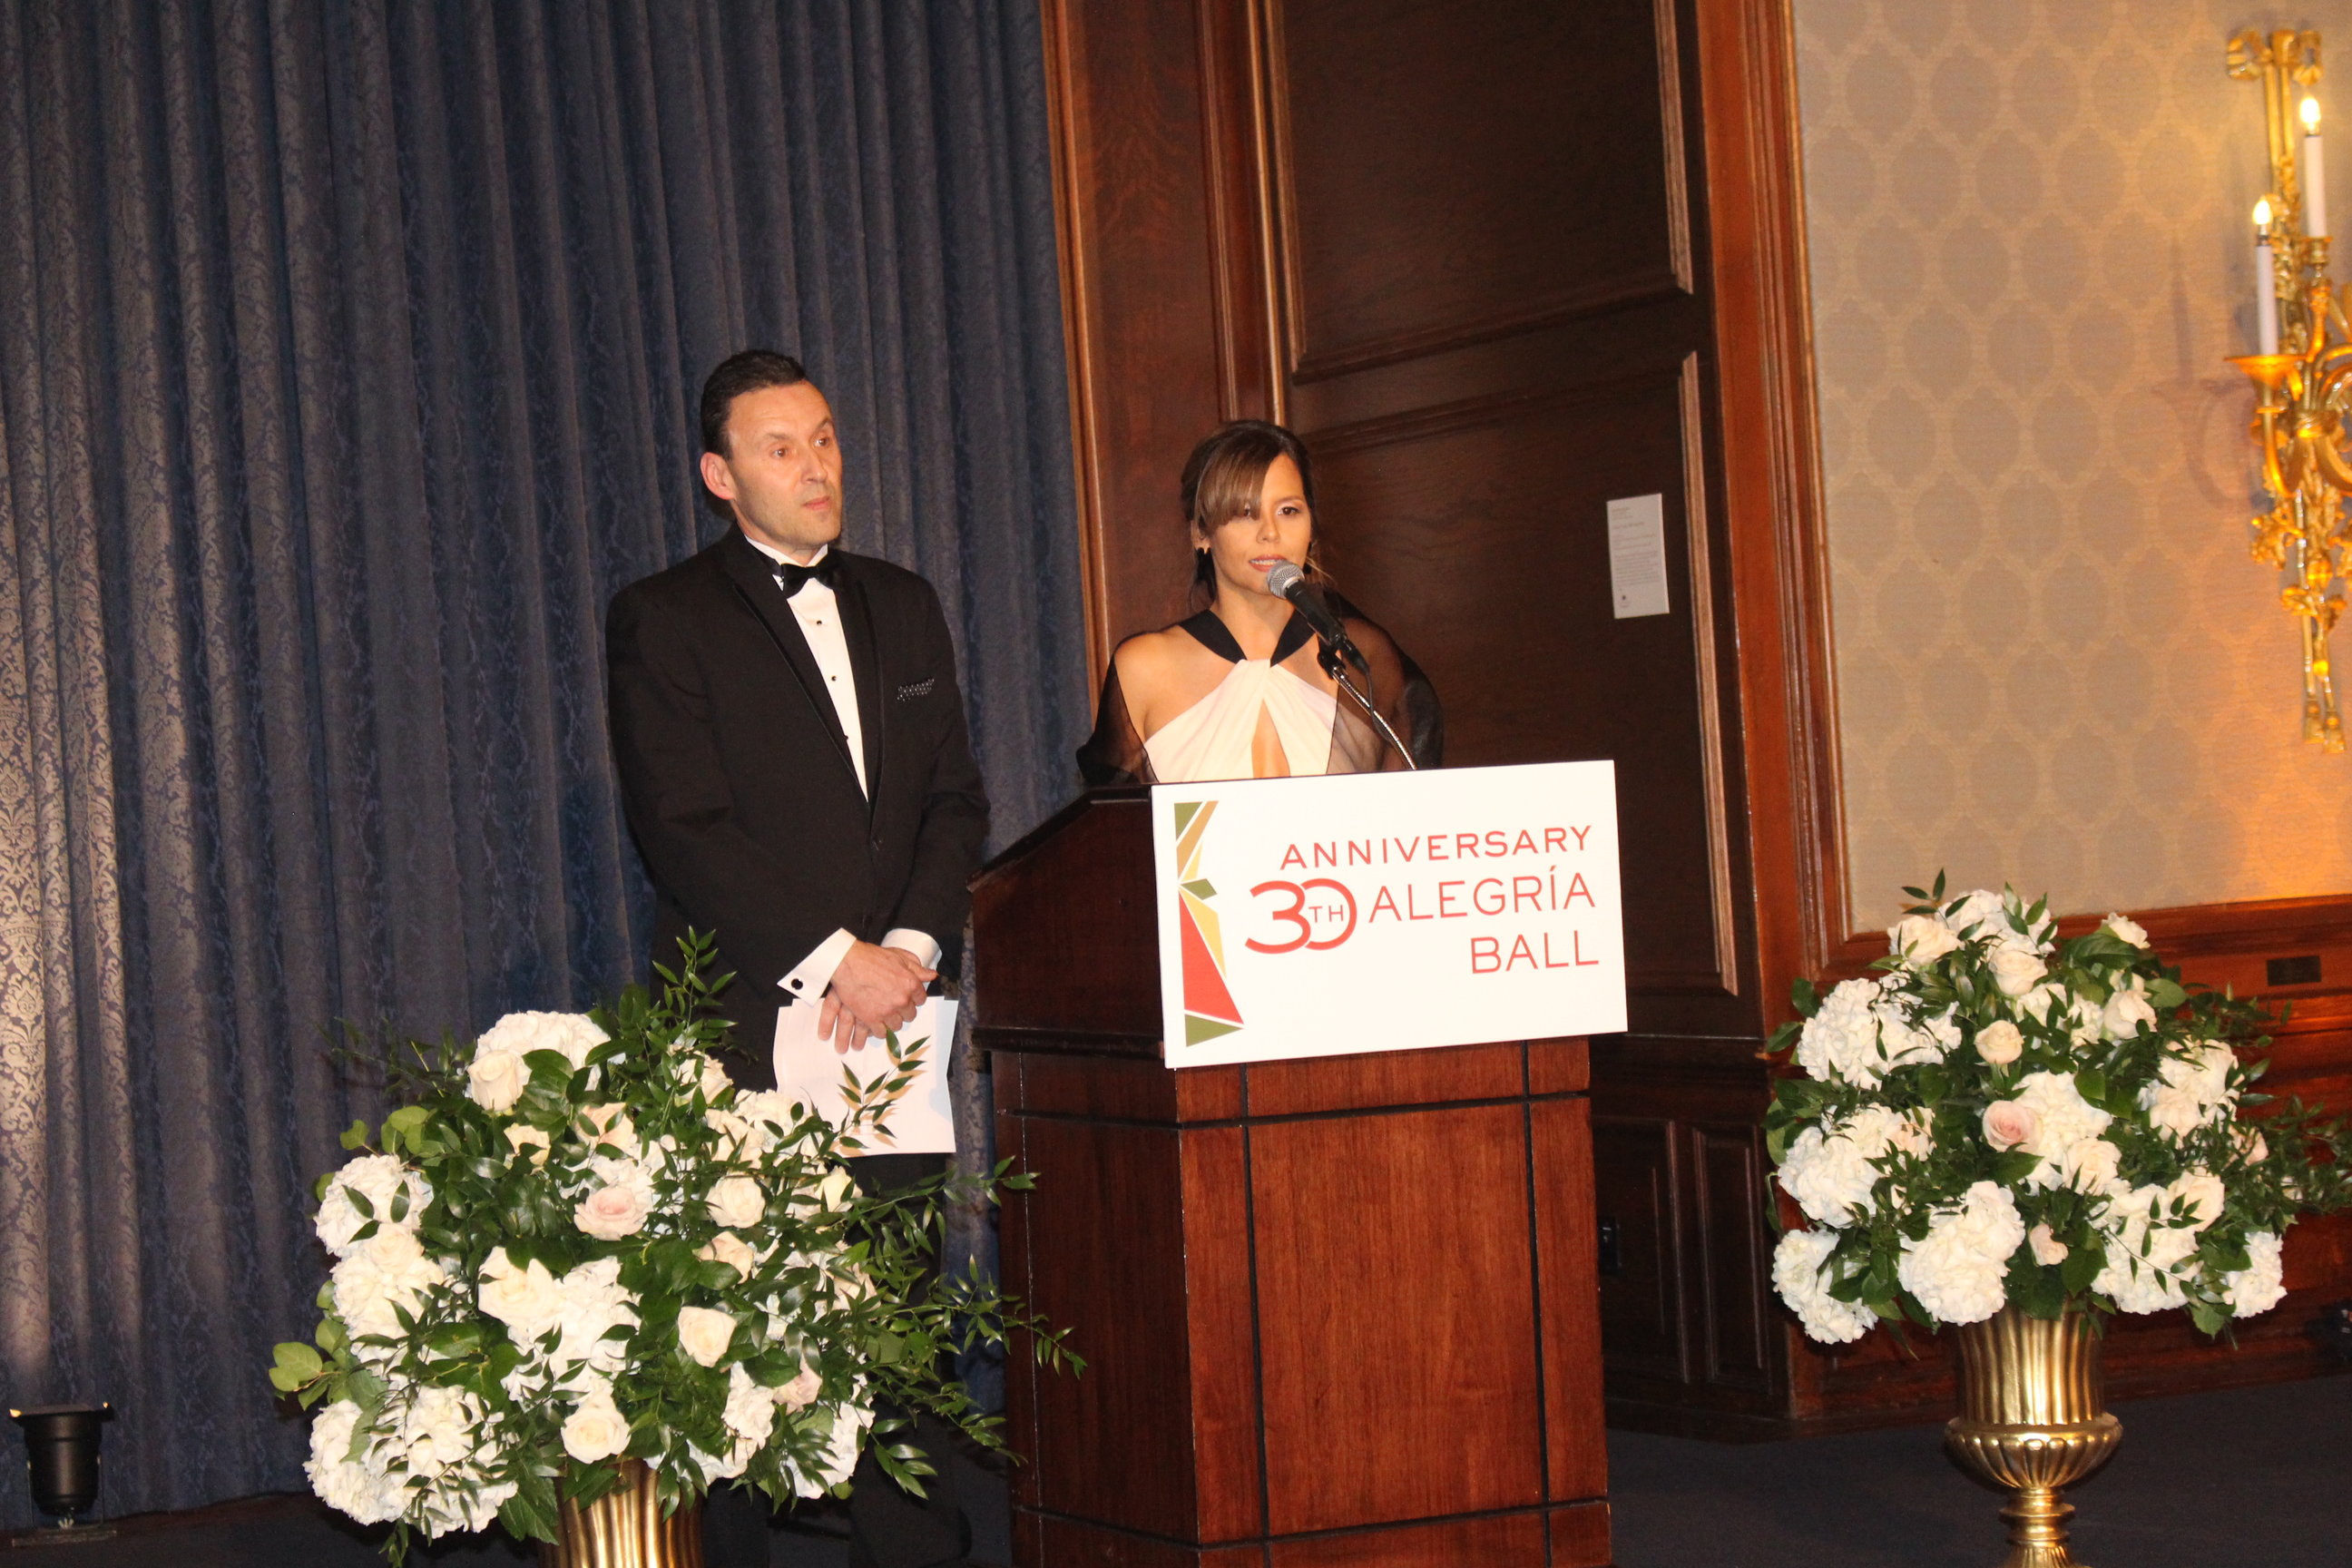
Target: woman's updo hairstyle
1223, 477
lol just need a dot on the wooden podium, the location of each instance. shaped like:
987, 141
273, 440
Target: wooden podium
1336, 1310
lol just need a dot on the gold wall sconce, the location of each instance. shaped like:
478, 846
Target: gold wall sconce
2302, 371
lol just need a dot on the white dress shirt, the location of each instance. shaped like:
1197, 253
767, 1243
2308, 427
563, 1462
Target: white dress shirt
819, 614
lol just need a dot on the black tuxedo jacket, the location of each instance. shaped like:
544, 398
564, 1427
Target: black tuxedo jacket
737, 779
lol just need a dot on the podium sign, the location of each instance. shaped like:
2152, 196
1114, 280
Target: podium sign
1310, 917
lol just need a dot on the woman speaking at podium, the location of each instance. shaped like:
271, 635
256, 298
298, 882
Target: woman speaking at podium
1249, 686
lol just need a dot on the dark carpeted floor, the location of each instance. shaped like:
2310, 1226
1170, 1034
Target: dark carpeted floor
2253, 1477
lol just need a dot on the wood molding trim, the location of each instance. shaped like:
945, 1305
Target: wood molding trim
1772, 490
1065, 114
1721, 904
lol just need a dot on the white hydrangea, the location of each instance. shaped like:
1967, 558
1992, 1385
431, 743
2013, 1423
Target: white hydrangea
1861, 1032
440, 1430
1796, 1275
2262, 1284
378, 1179
1830, 1171
845, 1427
2063, 1119
384, 1274
2149, 1262
592, 1302
1957, 1272
2191, 1091
358, 1487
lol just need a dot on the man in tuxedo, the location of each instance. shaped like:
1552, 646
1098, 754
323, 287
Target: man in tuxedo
794, 761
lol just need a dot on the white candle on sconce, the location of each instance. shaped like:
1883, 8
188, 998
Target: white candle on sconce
2315, 172
2266, 331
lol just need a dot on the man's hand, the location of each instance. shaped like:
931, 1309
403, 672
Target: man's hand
876, 989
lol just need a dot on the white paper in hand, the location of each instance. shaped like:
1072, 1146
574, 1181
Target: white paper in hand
921, 1122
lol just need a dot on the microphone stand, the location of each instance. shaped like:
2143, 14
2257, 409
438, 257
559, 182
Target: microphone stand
1333, 659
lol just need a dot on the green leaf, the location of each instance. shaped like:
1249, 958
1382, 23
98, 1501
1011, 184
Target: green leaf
297, 1363
1806, 995
2092, 1085
355, 1136
2165, 995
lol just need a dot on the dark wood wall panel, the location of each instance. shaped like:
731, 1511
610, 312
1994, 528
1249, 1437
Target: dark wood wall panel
1335, 1351
1480, 534
1437, 175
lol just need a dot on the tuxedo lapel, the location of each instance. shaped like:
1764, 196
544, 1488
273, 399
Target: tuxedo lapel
753, 580
865, 669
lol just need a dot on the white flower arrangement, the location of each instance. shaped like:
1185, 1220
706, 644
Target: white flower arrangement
1995, 1120
579, 1241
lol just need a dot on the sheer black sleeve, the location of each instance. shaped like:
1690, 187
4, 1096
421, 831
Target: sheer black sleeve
1402, 696
1114, 754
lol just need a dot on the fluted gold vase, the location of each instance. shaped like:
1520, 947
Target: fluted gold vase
2034, 1421
625, 1528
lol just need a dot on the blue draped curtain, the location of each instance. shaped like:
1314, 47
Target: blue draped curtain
348, 356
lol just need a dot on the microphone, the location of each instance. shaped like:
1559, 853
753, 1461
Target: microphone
1339, 649
1291, 582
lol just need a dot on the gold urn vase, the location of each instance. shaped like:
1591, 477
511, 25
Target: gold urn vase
625, 1528
2032, 1421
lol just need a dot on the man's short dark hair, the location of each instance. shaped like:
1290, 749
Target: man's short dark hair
737, 374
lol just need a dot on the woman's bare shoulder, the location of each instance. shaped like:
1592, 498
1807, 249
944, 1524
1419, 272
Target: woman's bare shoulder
1149, 654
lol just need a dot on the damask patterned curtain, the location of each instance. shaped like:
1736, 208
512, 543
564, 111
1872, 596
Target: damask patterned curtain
348, 351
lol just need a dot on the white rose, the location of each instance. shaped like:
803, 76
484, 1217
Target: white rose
2041, 1002
525, 1298
522, 1138
2000, 1042
802, 1392
2015, 970
737, 1202
1921, 939
603, 1126
2260, 1285
2202, 1195
380, 1180
614, 1211
1797, 1265
2127, 930
496, 1079
738, 1140
2127, 1012
571, 1035
836, 1189
704, 1333
732, 1250
712, 1079
2009, 1123
2251, 1144
2047, 1248
595, 1429
2090, 1165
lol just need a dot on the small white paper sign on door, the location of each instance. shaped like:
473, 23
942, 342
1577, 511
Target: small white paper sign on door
1637, 555
809, 1070
1313, 917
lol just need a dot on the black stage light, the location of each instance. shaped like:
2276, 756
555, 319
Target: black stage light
61, 1450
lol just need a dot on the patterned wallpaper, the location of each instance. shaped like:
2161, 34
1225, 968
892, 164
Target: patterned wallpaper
2056, 664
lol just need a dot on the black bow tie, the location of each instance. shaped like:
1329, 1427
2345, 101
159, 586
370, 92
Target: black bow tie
792, 579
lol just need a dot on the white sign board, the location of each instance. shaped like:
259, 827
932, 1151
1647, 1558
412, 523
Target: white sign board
1314, 917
